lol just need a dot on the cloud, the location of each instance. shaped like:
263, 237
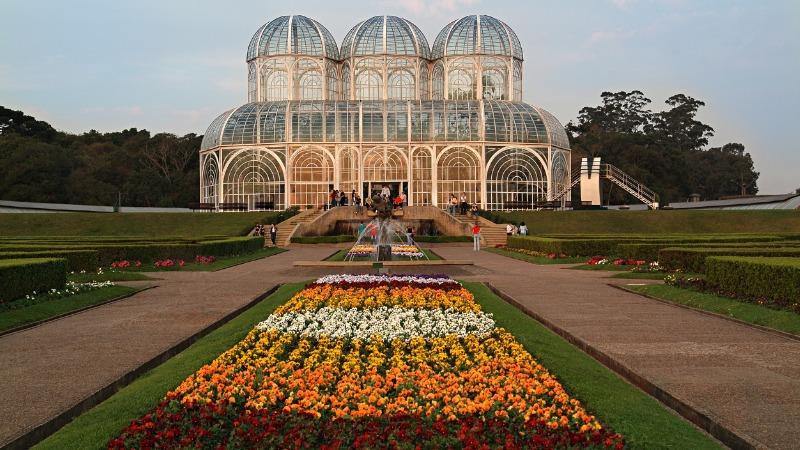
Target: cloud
432, 7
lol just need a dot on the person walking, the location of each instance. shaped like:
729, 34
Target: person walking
476, 237
273, 234
410, 236
361, 228
523, 229
357, 203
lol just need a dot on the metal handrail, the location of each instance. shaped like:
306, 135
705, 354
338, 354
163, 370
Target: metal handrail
625, 181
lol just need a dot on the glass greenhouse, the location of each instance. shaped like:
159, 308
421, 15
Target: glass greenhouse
384, 110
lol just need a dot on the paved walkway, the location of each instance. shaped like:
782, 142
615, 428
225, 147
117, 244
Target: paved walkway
747, 379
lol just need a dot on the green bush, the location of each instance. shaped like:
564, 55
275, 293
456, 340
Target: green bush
76, 259
323, 239
426, 238
20, 277
693, 259
650, 251
230, 246
776, 279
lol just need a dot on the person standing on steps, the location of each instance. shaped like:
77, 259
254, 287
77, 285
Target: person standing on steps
273, 234
463, 203
476, 237
509, 229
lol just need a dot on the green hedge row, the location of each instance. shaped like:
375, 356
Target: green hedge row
694, 259
20, 277
108, 253
777, 279
650, 251
323, 239
76, 259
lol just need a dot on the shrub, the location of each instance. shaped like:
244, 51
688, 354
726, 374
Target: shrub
776, 279
20, 277
323, 239
230, 246
650, 250
693, 259
76, 259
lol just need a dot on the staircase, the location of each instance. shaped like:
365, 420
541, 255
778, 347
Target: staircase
287, 228
492, 234
630, 185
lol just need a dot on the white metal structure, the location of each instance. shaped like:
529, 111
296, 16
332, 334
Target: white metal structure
384, 110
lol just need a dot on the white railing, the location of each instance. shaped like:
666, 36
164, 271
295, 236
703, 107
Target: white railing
630, 185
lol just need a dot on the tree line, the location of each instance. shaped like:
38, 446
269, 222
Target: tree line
667, 151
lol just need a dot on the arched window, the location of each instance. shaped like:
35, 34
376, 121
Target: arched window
458, 170
276, 86
369, 85
424, 86
460, 85
333, 82
310, 86
254, 176
401, 85
312, 176
251, 83
494, 86
437, 79
515, 179
346, 82
210, 179
517, 82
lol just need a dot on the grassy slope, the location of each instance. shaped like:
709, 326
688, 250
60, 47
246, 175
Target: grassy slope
780, 320
534, 259
131, 224
95, 428
541, 222
17, 317
644, 422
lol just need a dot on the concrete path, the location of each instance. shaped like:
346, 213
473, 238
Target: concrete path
746, 379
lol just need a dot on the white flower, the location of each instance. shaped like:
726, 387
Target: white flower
348, 278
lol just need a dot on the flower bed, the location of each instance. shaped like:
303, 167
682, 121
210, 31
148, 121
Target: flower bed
602, 260
400, 250
362, 361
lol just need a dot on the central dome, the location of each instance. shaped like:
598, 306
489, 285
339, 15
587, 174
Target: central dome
385, 35
297, 35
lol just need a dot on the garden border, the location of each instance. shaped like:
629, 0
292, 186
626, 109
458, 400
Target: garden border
282, 250
734, 440
76, 311
39, 432
784, 334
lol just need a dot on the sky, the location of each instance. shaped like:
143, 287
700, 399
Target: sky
174, 65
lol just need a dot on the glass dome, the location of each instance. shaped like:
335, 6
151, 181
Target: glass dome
297, 35
477, 35
385, 35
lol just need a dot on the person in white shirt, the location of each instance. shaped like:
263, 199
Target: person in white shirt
523, 229
509, 229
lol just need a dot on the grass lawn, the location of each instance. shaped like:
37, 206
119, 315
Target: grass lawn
219, 264
780, 320
607, 267
644, 422
656, 222
640, 275
133, 224
108, 276
534, 259
93, 429
340, 255
12, 318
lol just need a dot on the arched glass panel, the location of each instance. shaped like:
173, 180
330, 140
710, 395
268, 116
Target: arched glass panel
346, 82
517, 82
275, 86
252, 82
312, 178
384, 164
460, 85
421, 176
369, 85
458, 171
560, 178
348, 170
401, 85
310, 86
332, 82
424, 85
437, 79
208, 190
494, 86
254, 176
515, 179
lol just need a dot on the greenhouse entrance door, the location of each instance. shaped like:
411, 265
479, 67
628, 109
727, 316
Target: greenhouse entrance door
374, 187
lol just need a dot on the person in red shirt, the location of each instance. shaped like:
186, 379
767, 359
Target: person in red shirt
476, 237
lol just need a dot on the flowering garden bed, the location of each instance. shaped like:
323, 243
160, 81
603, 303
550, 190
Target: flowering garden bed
358, 361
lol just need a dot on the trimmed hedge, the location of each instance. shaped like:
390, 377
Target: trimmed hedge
693, 259
20, 277
439, 238
650, 251
76, 259
777, 279
323, 239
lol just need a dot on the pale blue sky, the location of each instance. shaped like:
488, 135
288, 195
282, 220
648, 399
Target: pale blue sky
169, 65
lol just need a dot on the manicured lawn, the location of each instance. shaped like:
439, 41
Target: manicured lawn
12, 318
606, 267
219, 264
534, 259
133, 224
656, 222
644, 422
640, 275
96, 427
780, 320
340, 255
108, 276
